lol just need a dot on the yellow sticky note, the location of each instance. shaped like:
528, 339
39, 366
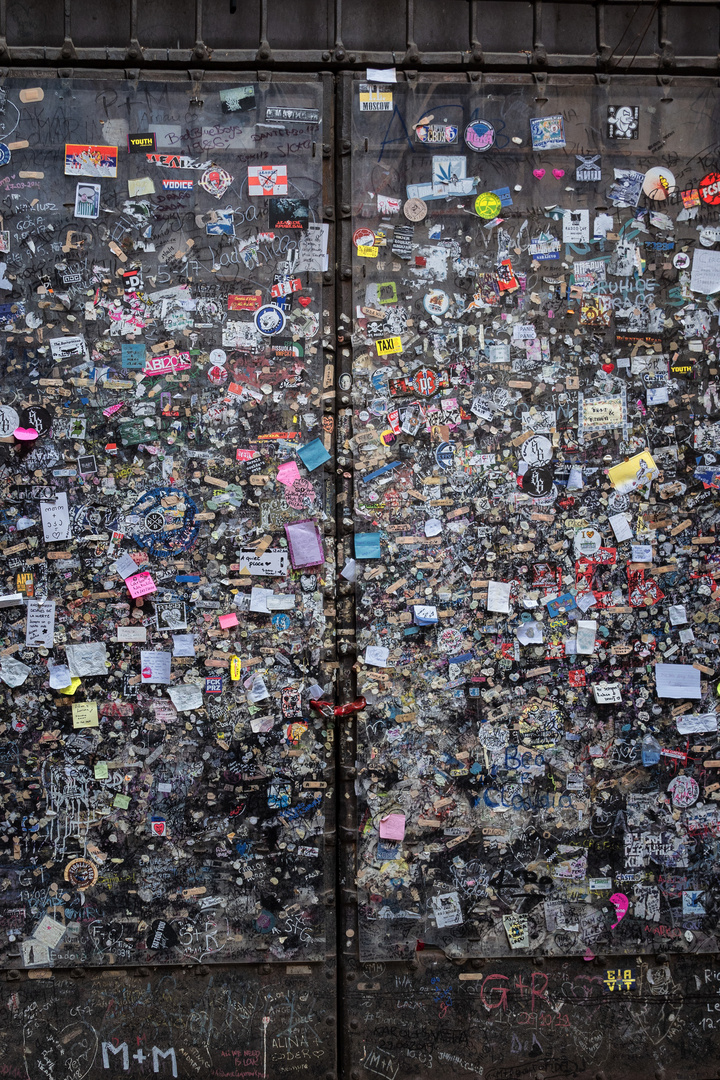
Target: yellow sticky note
70, 690
367, 251
142, 186
634, 473
85, 714
101, 770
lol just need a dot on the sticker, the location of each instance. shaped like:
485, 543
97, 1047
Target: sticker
267, 180
479, 136
547, 132
216, 182
435, 134
658, 184
386, 346
141, 144
364, 237
270, 320
488, 205
709, 189
374, 99
588, 169
82, 159
436, 302
81, 873
415, 209
238, 99
623, 121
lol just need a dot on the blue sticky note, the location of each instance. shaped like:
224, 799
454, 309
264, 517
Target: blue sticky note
367, 545
133, 356
313, 454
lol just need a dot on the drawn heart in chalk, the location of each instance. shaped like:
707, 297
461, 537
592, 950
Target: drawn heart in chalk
558, 173
608, 368
304, 301
539, 173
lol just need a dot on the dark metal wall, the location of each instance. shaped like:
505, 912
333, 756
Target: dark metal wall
606, 36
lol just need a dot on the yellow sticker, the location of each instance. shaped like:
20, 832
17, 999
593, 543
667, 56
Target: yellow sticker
101, 770
367, 252
388, 345
634, 473
488, 204
85, 714
235, 668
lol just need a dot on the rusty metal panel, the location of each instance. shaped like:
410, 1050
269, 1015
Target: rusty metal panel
167, 611
535, 516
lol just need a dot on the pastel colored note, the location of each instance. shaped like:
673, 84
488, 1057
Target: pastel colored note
621, 903
392, 827
140, 584
229, 620
288, 473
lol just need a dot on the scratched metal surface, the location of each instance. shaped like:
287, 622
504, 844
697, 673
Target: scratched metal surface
504, 804
132, 830
510, 1020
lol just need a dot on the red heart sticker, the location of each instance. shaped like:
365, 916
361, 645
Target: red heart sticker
304, 301
558, 173
539, 173
608, 368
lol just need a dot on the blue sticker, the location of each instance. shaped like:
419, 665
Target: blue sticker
313, 454
367, 546
270, 319
156, 526
4, 153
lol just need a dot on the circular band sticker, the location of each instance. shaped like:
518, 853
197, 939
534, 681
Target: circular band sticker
709, 189
436, 302
537, 450
415, 210
488, 205
4, 153
364, 237
216, 182
681, 261
480, 136
658, 184
537, 482
270, 319
36, 417
9, 420
177, 531
81, 873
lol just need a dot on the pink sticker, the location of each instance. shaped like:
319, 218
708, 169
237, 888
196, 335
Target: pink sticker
539, 173
621, 903
228, 620
392, 827
288, 473
558, 173
140, 584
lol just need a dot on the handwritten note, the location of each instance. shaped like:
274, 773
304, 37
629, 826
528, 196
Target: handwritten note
56, 519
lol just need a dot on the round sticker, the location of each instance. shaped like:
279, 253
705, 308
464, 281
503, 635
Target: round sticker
4, 153
436, 302
445, 455
217, 375
537, 450
537, 482
364, 238
270, 319
709, 189
449, 641
415, 210
488, 205
218, 357
36, 417
155, 521
345, 381
684, 790
681, 261
425, 382
480, 135
658, 183
9, 420
216, 182
587, 541
81, 873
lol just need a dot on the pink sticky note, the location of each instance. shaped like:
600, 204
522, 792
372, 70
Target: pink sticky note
140, 584
392, 827
288, 473
228, 620
621, 904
